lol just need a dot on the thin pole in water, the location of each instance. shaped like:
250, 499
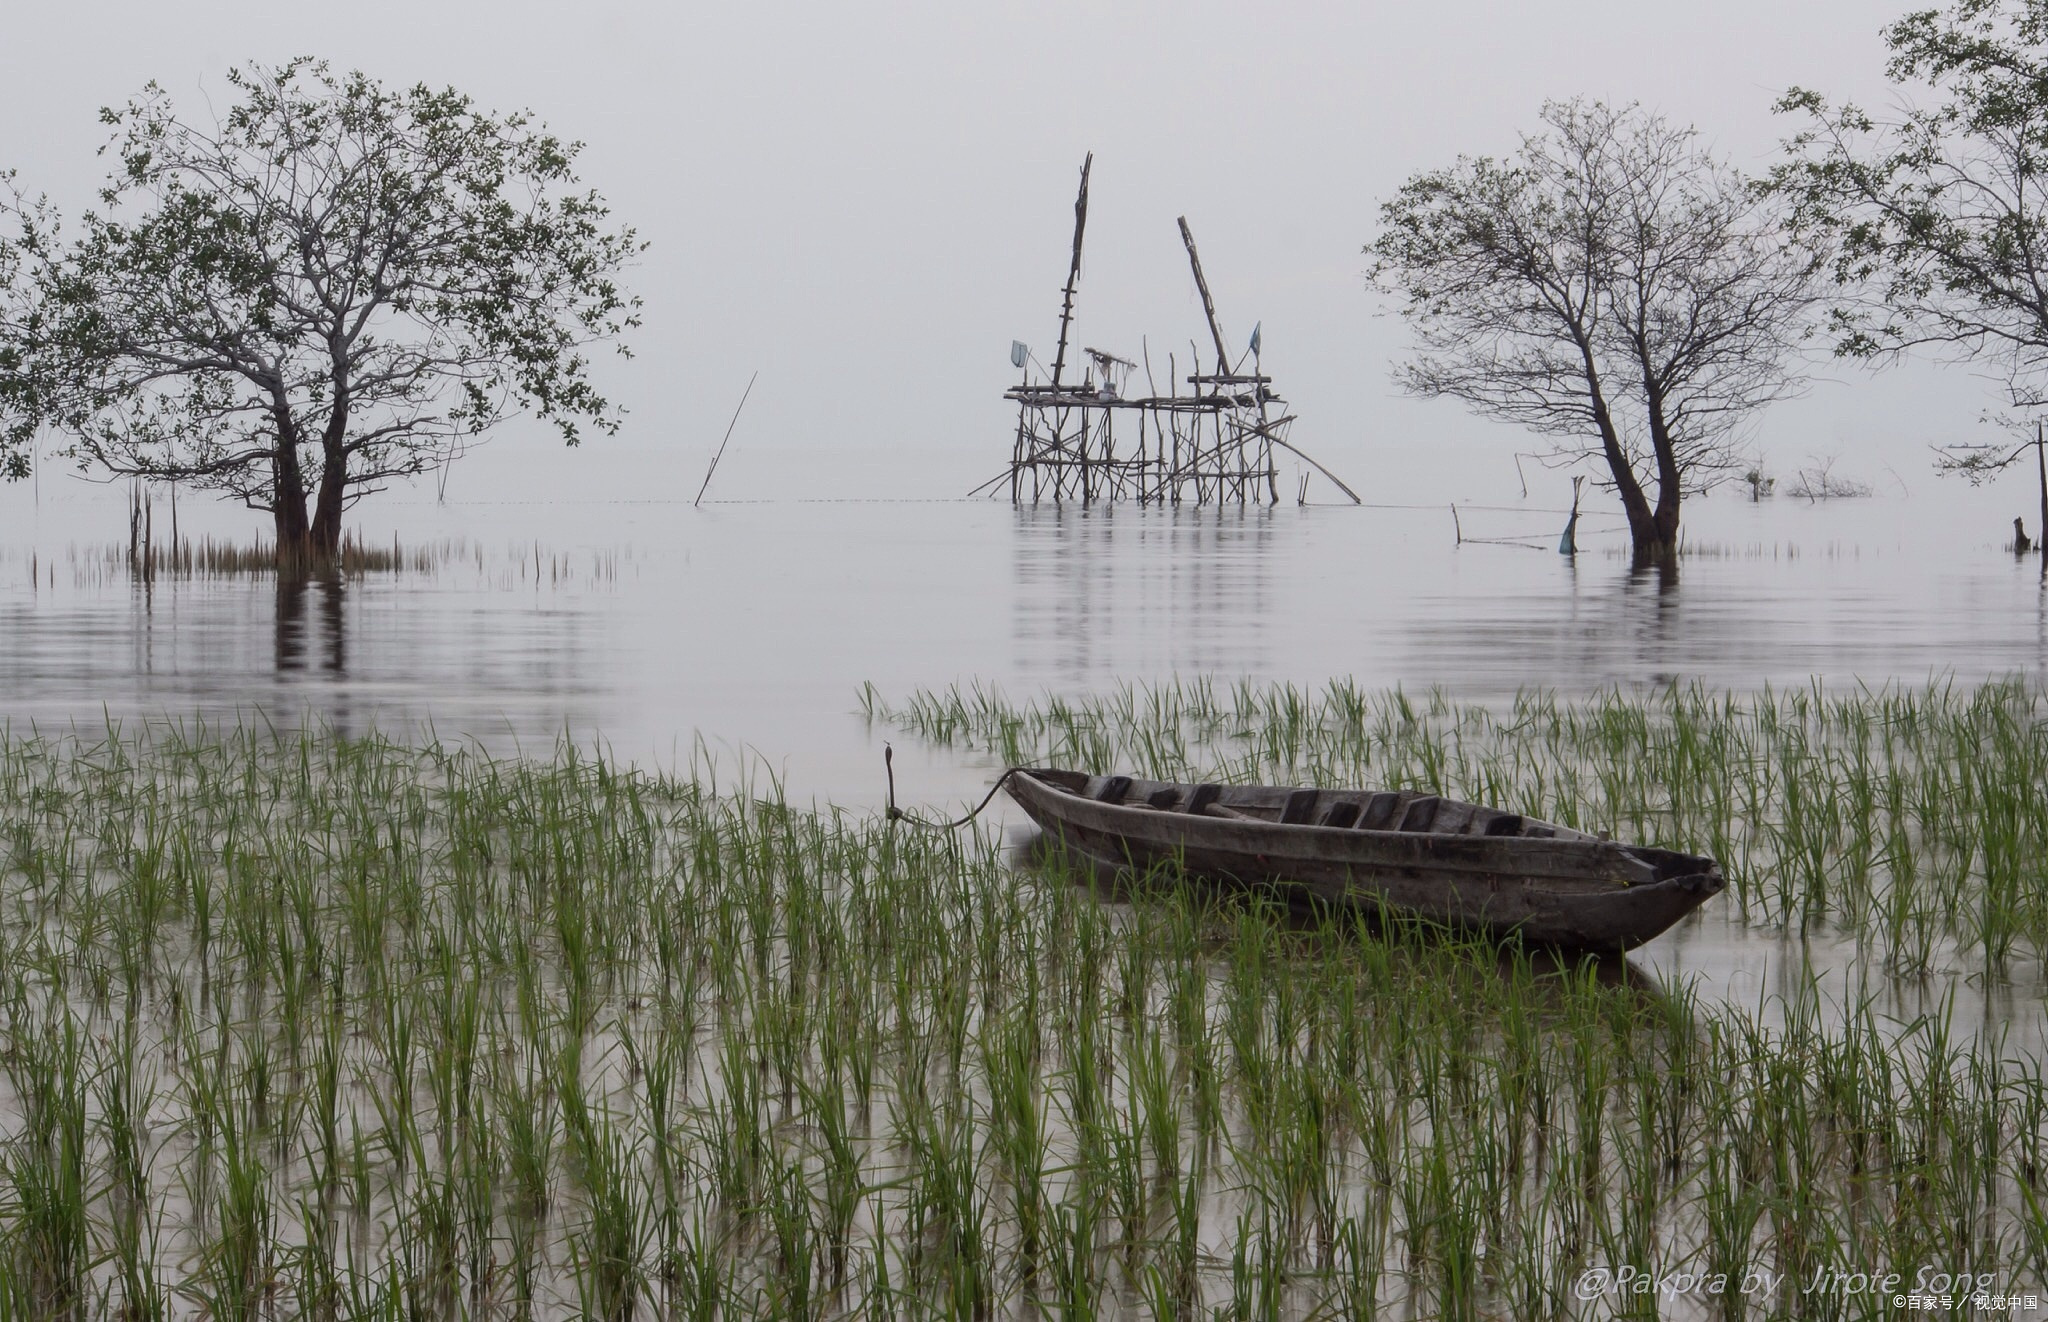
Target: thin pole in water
721, 445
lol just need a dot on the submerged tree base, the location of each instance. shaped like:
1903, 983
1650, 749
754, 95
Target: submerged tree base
302, 1026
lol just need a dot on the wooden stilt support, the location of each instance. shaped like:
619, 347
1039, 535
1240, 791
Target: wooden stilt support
1211, 438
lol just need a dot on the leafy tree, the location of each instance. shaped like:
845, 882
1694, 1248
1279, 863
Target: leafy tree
335, 285
1612, 286
17, 385
1936, 213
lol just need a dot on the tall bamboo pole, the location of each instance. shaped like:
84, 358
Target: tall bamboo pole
1059, 361
1208, 304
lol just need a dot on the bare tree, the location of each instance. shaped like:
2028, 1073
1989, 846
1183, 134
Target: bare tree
336, 285
1612, 286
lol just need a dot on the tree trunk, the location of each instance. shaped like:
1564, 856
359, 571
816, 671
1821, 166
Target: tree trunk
1663, 545
1642, 521
325, 535
289, 515
1663, 541
288, 496
2040, 463
324, 538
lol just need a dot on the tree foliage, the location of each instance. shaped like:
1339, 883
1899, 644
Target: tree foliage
335, 285
18, 414
1611, 286
1936, 213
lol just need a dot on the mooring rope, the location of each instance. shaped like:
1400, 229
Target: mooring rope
896, 814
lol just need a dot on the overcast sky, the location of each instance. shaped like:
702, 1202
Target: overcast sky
867, 203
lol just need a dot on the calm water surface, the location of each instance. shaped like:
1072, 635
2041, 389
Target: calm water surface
744, 632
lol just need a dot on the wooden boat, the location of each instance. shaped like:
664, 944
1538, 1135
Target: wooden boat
1408, 852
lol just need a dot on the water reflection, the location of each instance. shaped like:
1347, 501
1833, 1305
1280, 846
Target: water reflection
322, 632
1102, 596
1108, 592
1728, 623
755, 624
508, 668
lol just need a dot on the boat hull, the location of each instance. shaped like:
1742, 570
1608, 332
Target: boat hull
1553, 886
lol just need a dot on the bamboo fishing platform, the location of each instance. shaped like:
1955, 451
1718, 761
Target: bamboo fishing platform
1214, 444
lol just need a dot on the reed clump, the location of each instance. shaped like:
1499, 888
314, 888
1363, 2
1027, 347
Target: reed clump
206, 559
296, 1025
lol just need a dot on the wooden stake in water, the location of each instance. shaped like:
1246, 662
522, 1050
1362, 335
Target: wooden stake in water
1569, 543
728, 436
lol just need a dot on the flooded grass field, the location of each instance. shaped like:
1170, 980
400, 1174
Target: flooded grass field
509, 928
306, 1026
